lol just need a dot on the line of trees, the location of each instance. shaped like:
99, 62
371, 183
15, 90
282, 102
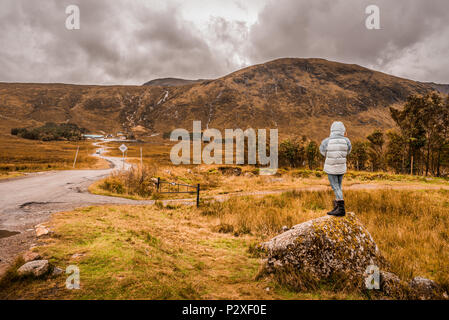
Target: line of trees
51, 131
296, 154
419, 145
424, 130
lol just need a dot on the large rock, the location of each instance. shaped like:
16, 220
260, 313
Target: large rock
323, 248
35, 268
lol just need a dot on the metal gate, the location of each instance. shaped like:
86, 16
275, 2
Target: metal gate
173, 187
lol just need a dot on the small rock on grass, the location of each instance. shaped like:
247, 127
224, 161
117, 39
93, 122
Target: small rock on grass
57, 271
425, 289
35, 268
31, 256
41, 231
392, 286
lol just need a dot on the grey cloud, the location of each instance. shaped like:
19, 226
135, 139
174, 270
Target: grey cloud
130, 41
230, 41
119, 42
335, 29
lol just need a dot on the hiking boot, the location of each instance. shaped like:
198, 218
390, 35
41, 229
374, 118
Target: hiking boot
333, 210
339, 211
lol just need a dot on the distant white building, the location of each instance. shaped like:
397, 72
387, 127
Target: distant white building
93, 136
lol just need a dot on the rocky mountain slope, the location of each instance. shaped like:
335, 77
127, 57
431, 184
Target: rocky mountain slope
171, 82
443, 88
297, 96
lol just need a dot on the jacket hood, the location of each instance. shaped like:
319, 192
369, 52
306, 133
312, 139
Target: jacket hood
338, 128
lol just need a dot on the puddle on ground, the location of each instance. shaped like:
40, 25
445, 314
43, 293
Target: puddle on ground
7, 233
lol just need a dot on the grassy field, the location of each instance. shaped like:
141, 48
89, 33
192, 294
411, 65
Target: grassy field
181, 252
218, 180
155, 152
19, 156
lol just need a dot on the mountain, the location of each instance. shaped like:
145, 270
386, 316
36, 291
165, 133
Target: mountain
297, 96
442, 88
171, 82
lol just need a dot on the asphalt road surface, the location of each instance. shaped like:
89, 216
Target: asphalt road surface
28, 201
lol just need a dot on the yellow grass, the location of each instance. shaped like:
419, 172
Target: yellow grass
157, 152
151, 252
9, 175
179, 252
215, 182
410, 227
21, 155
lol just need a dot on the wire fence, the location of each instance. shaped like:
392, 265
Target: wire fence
174, 187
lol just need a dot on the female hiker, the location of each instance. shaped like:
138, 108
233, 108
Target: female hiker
335, 148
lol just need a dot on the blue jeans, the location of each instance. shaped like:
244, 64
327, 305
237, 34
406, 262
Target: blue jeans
335, 181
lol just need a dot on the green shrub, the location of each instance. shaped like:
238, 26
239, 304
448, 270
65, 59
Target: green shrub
51, 131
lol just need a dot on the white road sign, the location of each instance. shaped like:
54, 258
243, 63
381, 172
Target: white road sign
123, 148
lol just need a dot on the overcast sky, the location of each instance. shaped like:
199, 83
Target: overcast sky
133, 41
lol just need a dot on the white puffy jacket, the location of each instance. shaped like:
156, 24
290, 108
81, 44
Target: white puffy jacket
335, 148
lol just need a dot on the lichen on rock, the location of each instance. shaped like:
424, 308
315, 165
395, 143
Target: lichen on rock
425, 289
339, 250
324, 247
34, 268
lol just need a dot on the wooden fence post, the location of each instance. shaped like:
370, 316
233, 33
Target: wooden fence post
76, 156
198, 195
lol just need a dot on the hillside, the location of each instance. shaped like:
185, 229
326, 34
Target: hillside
443, 88
297, 96
171, 82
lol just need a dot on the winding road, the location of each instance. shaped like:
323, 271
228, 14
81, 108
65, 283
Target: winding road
30, 200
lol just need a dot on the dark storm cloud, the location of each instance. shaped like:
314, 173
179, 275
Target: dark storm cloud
119, 42
133, 41
175, 45
413, 40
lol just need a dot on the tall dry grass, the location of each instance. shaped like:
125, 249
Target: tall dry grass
152, 152
410, 227
136, 181
27, 155
142, 183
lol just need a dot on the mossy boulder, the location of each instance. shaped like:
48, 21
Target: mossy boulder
34, 268
338, 251
324, 248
